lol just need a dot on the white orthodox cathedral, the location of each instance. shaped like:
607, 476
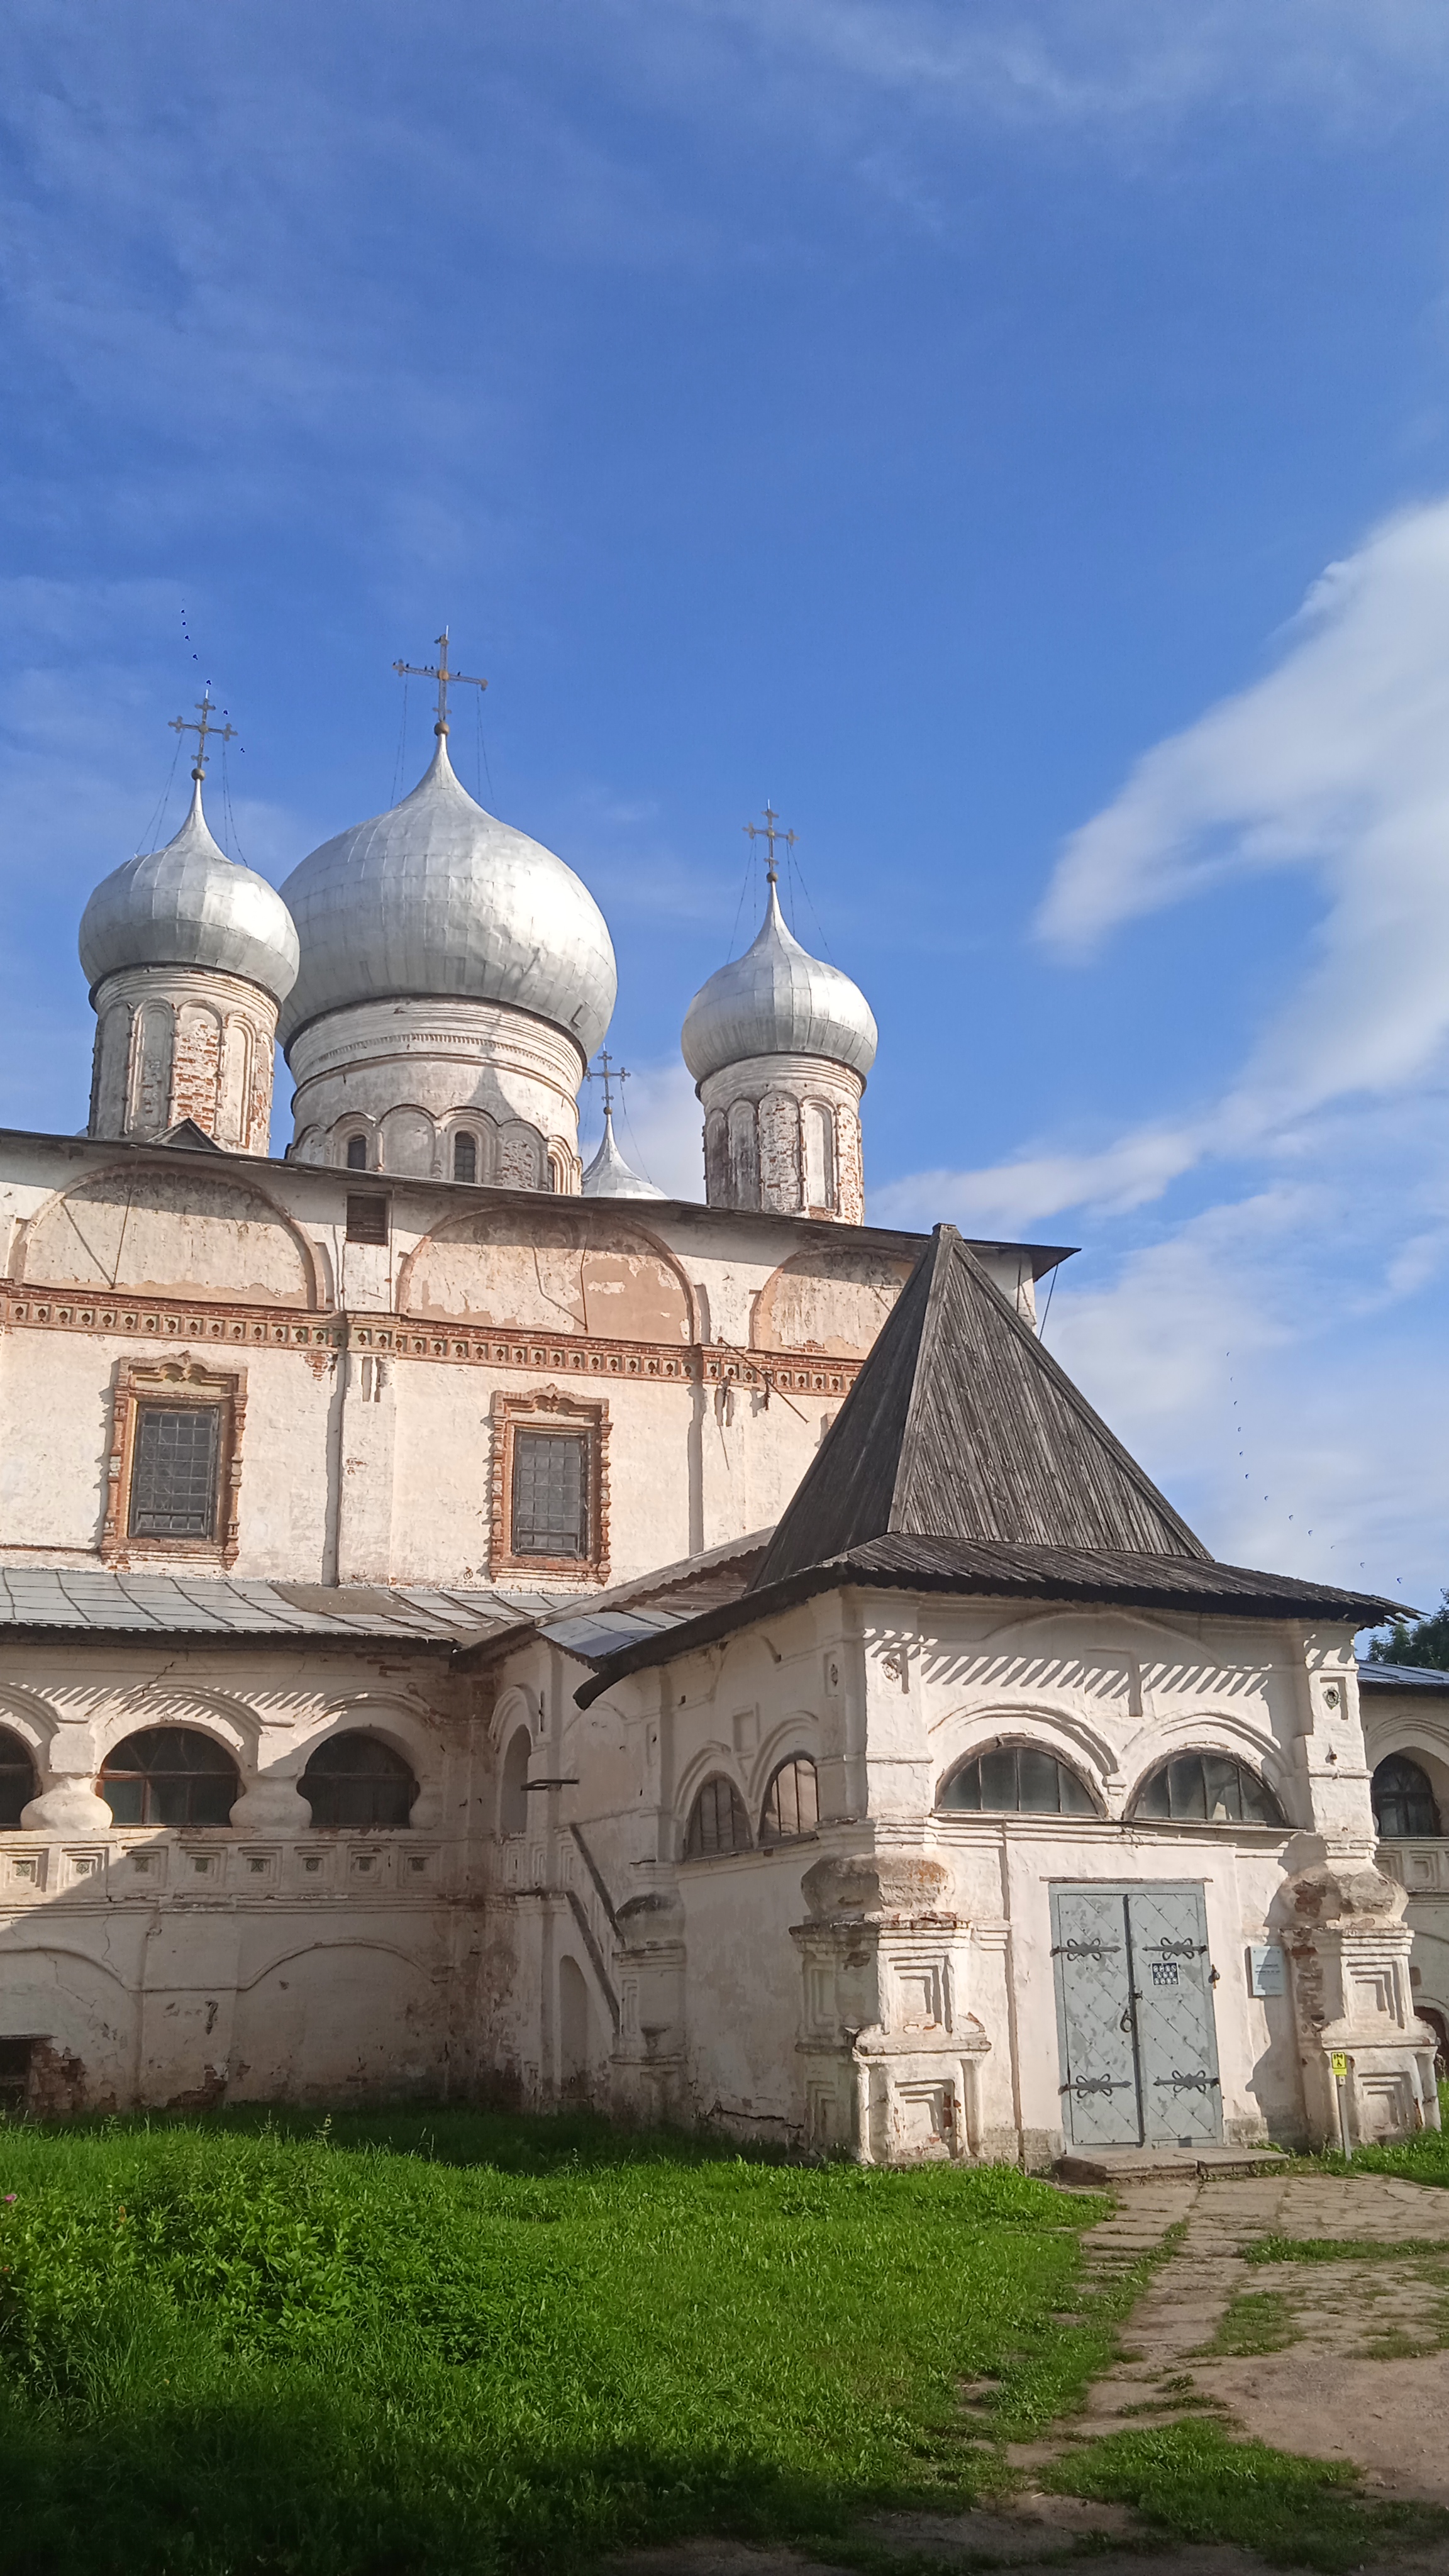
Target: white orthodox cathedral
472, 1626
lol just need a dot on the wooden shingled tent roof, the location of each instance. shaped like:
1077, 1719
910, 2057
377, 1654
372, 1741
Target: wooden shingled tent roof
960, 1426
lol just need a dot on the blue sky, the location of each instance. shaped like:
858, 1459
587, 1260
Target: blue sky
1013, 438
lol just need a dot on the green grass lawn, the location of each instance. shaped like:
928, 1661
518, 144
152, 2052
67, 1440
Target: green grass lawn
457, 2342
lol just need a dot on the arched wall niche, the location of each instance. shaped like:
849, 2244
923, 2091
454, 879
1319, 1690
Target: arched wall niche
797, 1733
714, 1762
959, 1736
829, 1302
516, 1706
554, 1272
30, 1717
144, 1232
230, 1722
1212, 1733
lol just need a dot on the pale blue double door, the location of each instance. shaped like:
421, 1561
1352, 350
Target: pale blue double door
1135, 2023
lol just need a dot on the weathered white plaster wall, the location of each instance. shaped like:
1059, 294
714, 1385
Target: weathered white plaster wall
887, 1693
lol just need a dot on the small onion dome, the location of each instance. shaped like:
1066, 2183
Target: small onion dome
190, 905
609, 1176
438, 898
778, 1000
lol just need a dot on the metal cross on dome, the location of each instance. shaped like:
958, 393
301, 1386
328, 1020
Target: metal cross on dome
205, 709
445, 678
769, 832
607, 1074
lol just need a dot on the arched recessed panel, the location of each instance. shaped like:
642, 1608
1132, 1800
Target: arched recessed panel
170, 1775
559, 1273
513, 1790
792, 1803
357, 1782
152, 1231
1016, 1780
1403, 1800
1205, 1789
827, 1301
574, 2031
717, 1822
17, 1776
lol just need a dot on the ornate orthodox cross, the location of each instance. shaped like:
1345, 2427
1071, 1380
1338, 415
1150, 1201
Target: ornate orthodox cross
445, 678
768, 832
608, 1074
205, 709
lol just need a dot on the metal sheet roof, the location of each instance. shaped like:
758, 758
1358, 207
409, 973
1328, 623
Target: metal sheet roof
94, 1601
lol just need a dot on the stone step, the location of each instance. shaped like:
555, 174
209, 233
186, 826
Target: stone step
1137, 2165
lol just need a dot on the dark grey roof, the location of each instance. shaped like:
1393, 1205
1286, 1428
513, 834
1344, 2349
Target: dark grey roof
961, 1426
598, 1624
1197, 1585
1401, 1676
94, 1601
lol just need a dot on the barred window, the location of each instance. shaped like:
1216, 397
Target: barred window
173, 1473
170, 1775
717, 1822
17, 1777
550, 1493
355, 1780
366, 1219
1403, 1801
792, 1806
1205, 1788
465, 1158
1015, 1780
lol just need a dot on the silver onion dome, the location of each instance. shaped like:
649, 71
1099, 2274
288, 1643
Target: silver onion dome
190, 905
439, 898
778, 1000
610, 1177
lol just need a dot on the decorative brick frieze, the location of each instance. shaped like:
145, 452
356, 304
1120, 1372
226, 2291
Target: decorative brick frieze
585, 1356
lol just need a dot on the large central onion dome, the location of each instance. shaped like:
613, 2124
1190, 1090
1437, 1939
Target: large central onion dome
190, 905
778, 1000
439, 899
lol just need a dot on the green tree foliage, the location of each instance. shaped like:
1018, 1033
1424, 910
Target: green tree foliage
1426, 1642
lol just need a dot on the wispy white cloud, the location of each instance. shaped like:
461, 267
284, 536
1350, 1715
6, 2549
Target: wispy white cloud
1335, 763
1101, 62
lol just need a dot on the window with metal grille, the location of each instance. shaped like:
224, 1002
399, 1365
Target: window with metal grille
170, 1775
717, 1822
792, 1807
1016, 1780
355, 1780
366, 1218
1403, 1799
15, 2062
357, 1153
17, 1777
1205, 1789
173, 1471
465, 1158
550, 1493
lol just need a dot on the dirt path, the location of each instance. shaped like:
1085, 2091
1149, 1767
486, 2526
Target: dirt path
1341, 2357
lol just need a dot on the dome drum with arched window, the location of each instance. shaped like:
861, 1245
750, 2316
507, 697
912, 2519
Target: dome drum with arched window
451, 969
779, 1044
